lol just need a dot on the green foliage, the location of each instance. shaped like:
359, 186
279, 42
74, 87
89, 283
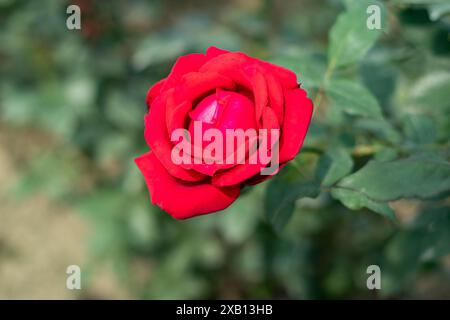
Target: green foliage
333, 165
352, 98
356, 199
411, 177
280, 200
350, 38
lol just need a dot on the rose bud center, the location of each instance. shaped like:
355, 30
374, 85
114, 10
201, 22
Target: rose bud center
222, 110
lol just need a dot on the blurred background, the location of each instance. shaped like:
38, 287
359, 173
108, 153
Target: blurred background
71, 123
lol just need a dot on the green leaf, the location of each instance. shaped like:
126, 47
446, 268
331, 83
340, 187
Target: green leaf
430, 96
438, 10
251, 204
281, 197
122, 112
333, 165
432, 92
405, 178
156, 49
381, 128
352, 98
434, 223
420, 128
424, 240
355, 200
350, 38
386, 154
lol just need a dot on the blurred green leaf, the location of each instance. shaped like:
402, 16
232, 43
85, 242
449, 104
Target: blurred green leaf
420, 128
56, 172
381, 128
424, 240
432, 92
333, 165
386, 154
430, 97
379, 76
281, 197
122, 112
350, 38
156, 49
434, 224
245, 210
352, 98
104, 209
438, 10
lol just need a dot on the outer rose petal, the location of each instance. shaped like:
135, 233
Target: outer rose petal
176, 116
190, 199
229, 65
195, 84
213, 52
188, 63
159, 141
287, 78
297, 116
154, 91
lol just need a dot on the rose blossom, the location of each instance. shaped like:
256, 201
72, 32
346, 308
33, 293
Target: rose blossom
222, 90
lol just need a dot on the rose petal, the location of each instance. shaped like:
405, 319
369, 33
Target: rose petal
242, 172
287, 78
157, 138
193, 85
276, 98
270, 119
176, 116
191, 199
188, 63
298, 112
154, 91
229, 65
222, 111
213, 52
259, 88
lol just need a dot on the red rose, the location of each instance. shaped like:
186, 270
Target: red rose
218, 90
